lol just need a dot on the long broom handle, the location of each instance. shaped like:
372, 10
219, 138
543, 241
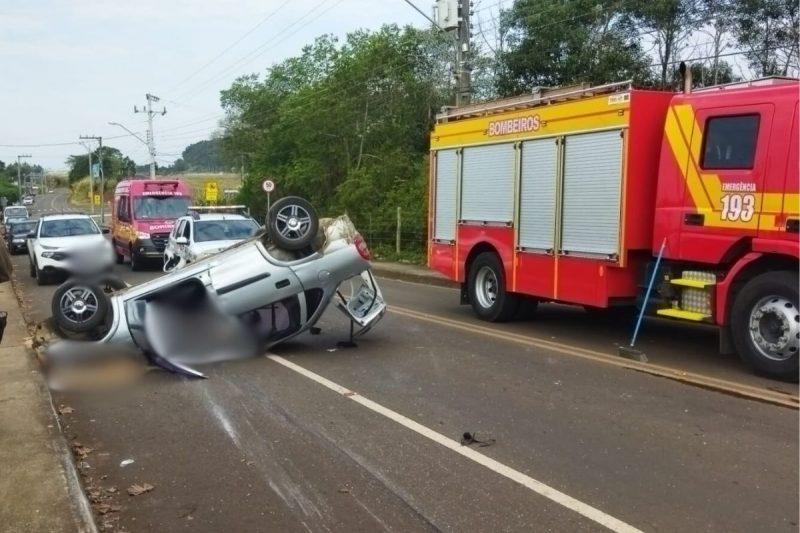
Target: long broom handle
647, 294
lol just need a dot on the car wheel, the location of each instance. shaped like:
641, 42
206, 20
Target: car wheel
79, 307
41, 277
120, 259
487, 290
292, 223
136, 262
765, 323
31, 268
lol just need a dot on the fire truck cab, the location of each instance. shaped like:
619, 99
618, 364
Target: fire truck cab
570, 195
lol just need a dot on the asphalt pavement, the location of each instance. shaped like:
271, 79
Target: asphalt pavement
315, 438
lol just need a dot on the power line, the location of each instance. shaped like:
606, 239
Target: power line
226, 50
262, 48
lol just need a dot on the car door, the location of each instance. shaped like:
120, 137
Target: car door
170, 250
32, 242
186, 249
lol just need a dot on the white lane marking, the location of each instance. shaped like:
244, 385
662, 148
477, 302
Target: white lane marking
538, 487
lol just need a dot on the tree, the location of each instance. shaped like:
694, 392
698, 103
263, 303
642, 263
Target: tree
345, 125
204, 155
669, 23
115, 164
555, 43
768, 32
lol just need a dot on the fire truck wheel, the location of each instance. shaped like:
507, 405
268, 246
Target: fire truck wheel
765, 322
487, 290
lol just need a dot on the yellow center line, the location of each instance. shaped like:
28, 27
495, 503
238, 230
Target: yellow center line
699, 380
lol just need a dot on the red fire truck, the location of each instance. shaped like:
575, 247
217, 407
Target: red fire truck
570, 195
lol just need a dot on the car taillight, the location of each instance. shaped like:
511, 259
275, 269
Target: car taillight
361, 244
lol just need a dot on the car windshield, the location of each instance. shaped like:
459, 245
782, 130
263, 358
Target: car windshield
69, 227
223, 230
23, 228
160, 207
16, 212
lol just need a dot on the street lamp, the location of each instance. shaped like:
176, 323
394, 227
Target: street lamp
149, 149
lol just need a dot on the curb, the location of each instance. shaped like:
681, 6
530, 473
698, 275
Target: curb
426, 278
43, 421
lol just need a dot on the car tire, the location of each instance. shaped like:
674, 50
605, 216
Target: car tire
120, 259
41, 277
75, 315
292, 223
136, 262
31, 268
487, 290
765, 323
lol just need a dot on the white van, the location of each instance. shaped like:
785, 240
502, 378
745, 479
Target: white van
15, 212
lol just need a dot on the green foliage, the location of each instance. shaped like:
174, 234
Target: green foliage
670, 22
344, 125
9, 190
115, 164
768, 31
556, 43
202, 156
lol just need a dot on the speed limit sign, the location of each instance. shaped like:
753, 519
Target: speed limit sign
268, 185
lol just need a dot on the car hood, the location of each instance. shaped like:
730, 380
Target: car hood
76, 241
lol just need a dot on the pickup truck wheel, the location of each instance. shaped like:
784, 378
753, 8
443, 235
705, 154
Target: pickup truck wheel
292, 223
487, 290
79, 307
765, 322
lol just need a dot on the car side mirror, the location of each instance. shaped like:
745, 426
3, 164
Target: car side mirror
105, 230
182, 241
31, 235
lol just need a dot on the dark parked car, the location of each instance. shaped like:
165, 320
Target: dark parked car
17, 235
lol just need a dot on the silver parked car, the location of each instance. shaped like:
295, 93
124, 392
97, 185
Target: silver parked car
239, 302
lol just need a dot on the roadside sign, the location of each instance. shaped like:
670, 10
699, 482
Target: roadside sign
95, 170
212, 191
96, 199
268, 186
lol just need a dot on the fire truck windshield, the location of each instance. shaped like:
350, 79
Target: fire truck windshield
160, 207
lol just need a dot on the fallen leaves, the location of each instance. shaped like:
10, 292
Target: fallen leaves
81, 450
136, 489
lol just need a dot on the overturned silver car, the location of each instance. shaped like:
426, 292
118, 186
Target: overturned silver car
237, 303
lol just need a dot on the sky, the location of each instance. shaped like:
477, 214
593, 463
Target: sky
72, 66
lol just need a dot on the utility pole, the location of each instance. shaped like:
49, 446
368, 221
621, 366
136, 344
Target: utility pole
464, 53
241, 181
19, 174
453, 18
102, 176
151, 145
91, 175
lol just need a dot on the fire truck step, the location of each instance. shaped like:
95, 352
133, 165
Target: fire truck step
683, 315
694, 283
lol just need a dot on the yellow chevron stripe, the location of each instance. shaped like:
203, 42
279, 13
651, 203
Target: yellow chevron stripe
685, 140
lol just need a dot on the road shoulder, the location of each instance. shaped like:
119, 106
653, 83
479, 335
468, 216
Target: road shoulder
39, 488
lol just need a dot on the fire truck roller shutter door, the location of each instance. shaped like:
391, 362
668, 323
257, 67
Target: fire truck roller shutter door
537, 210
444, 222
592, 190
488, 183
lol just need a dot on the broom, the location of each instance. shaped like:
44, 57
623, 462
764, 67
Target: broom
629, 351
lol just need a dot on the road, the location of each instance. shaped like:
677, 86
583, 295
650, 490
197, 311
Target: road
311, 438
